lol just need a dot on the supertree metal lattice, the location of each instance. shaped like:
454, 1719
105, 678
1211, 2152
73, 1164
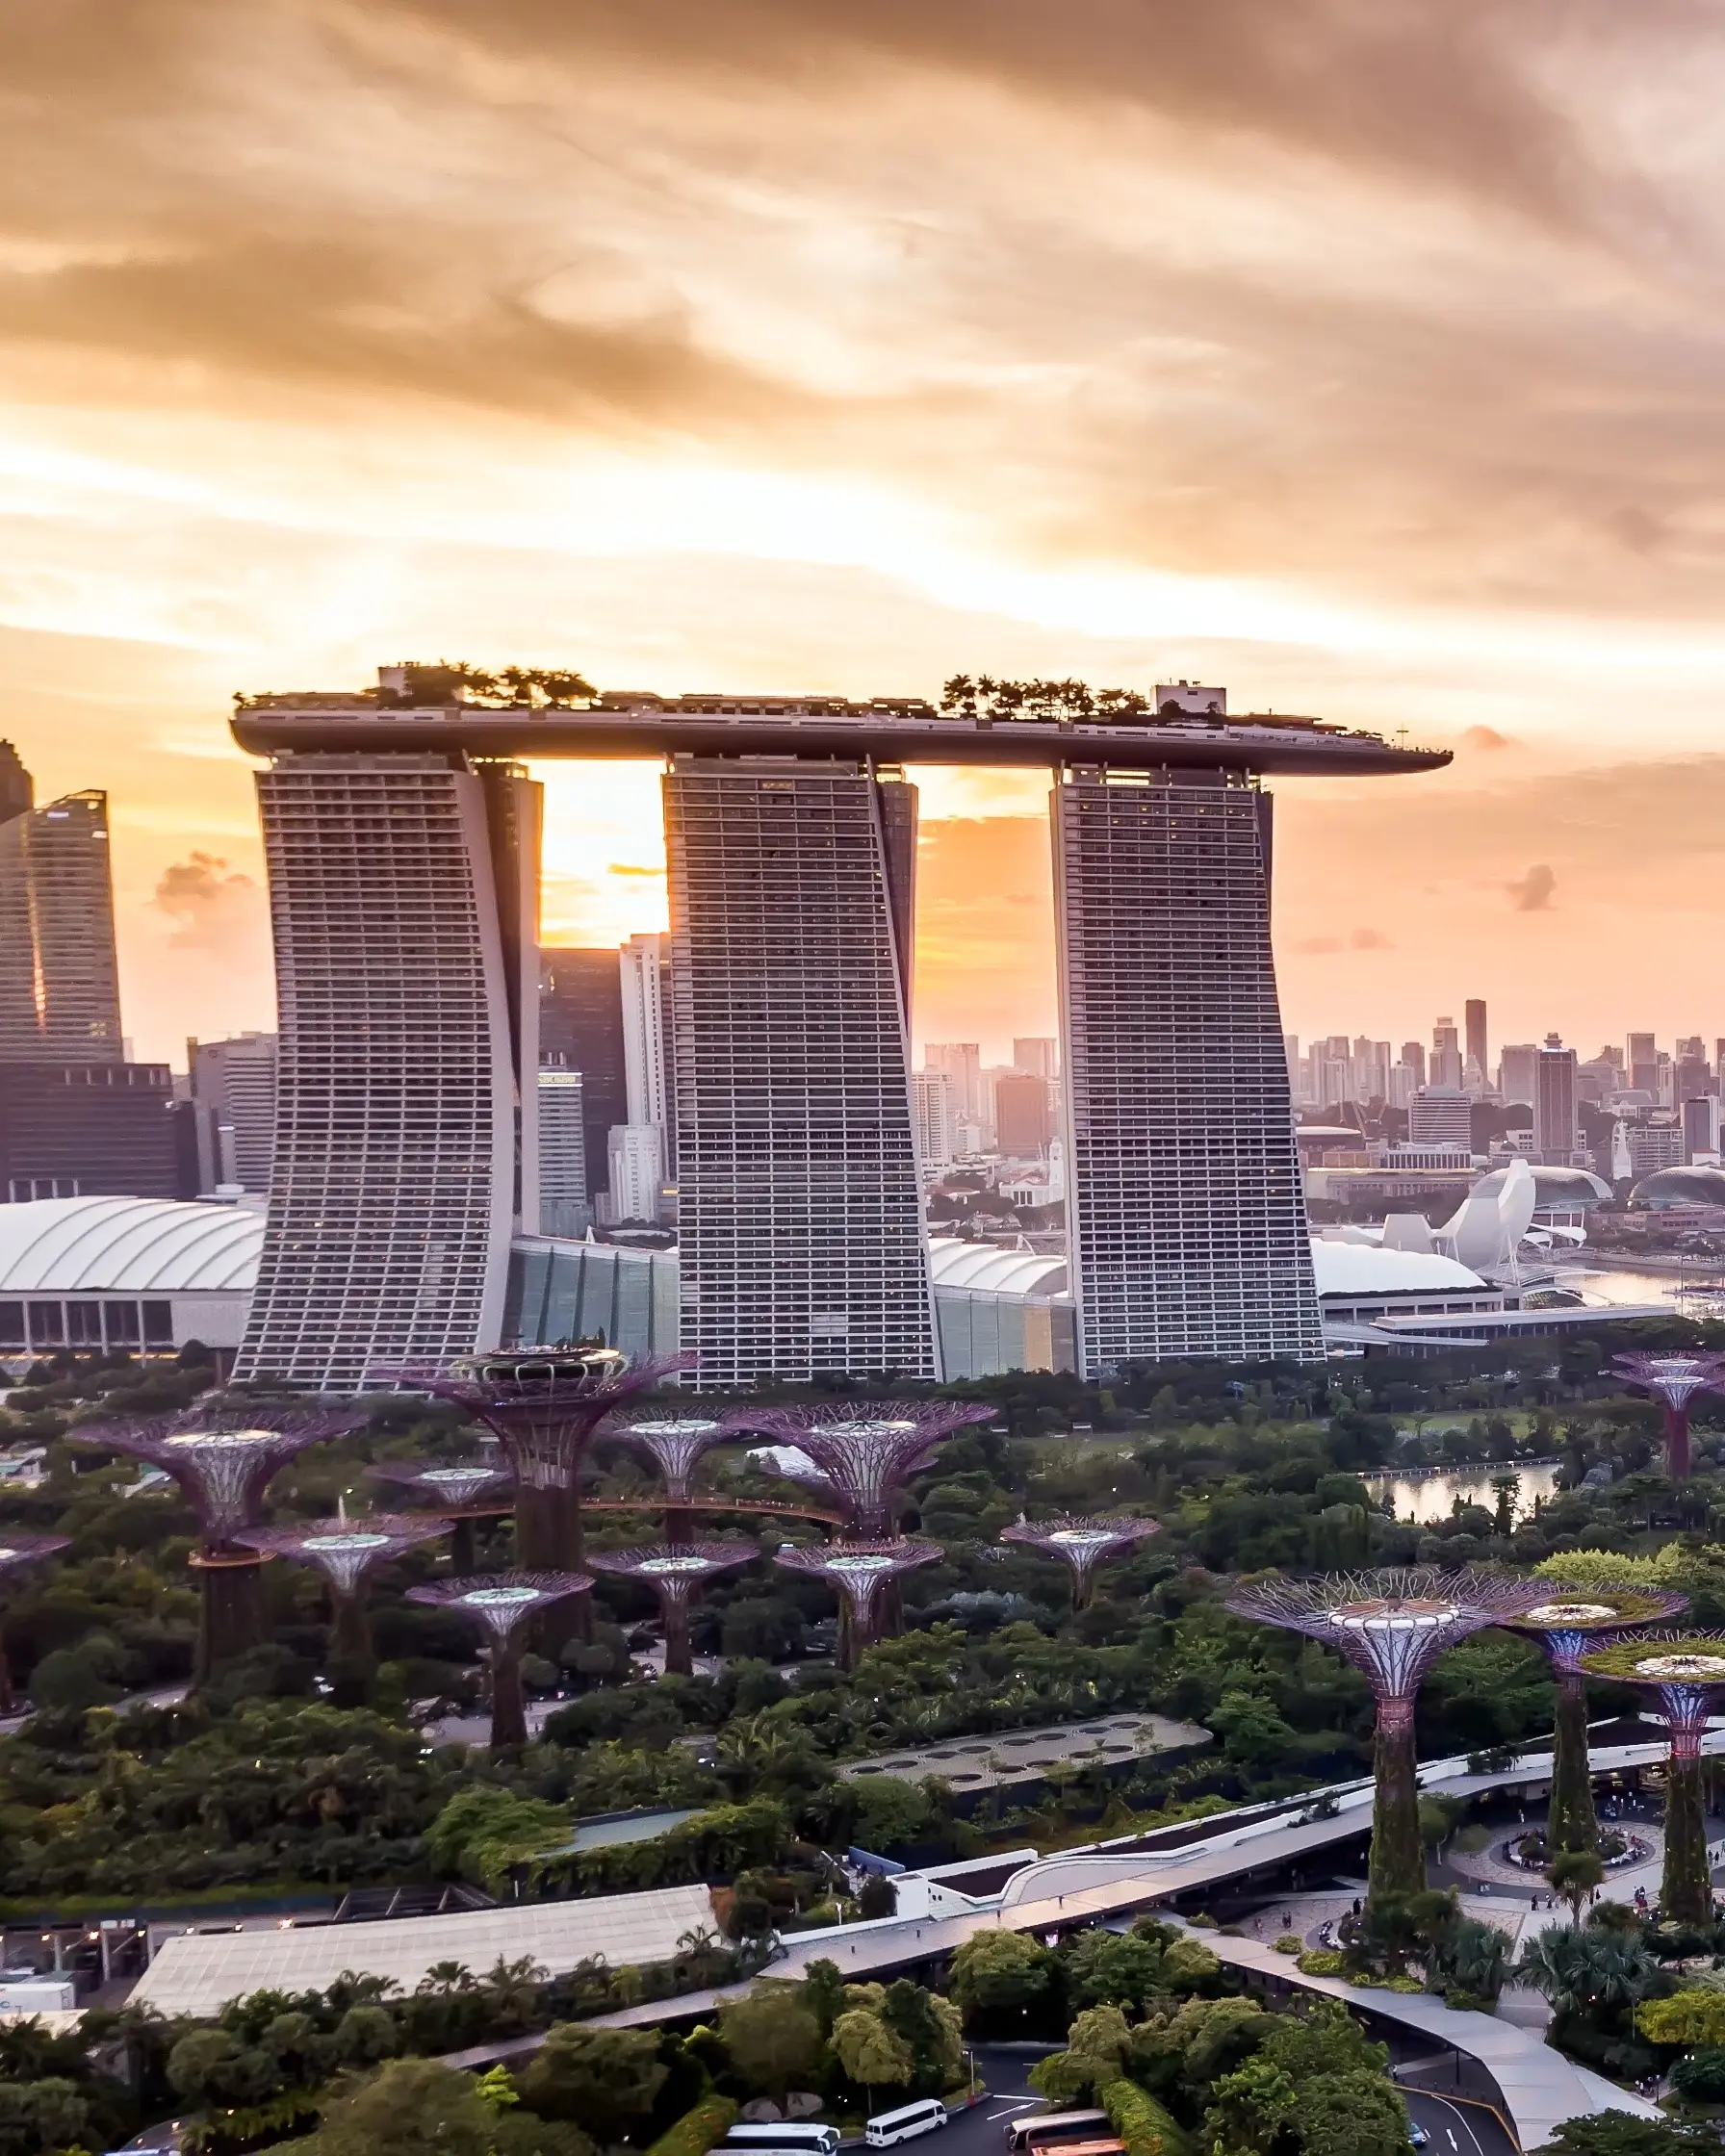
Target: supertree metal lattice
543, 1405
1083, 1543
1686, 1670
866, 1447
1674, 1381
859, 1571
463, 1492
344, 1550
1392, 1625
21, 1550
224, 1456
675, 1571
503, 1603
1573, 1620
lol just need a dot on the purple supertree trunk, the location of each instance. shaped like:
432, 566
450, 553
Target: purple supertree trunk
676, 1573
346, 1551
1674, 1381
859, 1572
502, 1604
1082, 1543
868, 1447
1686, 1672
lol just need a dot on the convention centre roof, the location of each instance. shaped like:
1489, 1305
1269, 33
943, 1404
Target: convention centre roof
985, 1268
127, 1246
1366, 1269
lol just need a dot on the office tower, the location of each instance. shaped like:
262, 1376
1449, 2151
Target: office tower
404, 957
1370, 1071
581, 1027
1332, 1077
1446, 1066
1700, 1125
1690, 1075
1022, 1122
1643, 1065
1040, 1056
59, 975
94, 1130
1186, 1215
1720, 1064
1413, 1055
636, 1172
803, 1248
233, 1100
1517, 1066
1553, 1103
962, 1062
565, 1204
1474, 1044
648, 1084
1403, 1084
1440, 1115
932, 1111
1655, 1146
1665, 1082
18, 789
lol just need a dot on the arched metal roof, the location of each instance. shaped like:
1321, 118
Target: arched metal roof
127, 1245
984, 1269
1367, 1269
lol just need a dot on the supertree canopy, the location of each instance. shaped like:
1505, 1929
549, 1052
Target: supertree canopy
1687, 1672
21, 1550
501, 1604
675, 1571
224, 1456
543, 1405
1392, 1625
861, 1571
868, 1447
1573, 1620
463, 1492
344, 1550
1082, 1542
1674, 1379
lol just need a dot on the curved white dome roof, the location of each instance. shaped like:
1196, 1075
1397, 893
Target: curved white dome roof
954, 1263
127, 1246
1367, 1269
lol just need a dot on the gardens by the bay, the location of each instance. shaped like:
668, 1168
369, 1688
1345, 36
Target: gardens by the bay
266, 1647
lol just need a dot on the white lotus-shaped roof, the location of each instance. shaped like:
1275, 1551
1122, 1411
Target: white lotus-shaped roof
127, 1246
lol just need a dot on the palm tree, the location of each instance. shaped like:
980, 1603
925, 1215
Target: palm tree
1573, 1874
444, 1979
1576, 1970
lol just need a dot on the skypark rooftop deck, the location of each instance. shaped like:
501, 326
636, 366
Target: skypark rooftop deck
637, 725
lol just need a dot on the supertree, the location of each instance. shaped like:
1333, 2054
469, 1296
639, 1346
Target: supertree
675, 1444
868, 1447
1573, 1620
543, 1405
463, 1492
674, 1572
222, 1458
344, 1550
1674, 1381
21, 1550
860, 1572
1084, 1543
1392, 1625
1687, 1672
503, 1603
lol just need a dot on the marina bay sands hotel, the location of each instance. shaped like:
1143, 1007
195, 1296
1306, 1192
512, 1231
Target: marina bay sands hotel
402, 836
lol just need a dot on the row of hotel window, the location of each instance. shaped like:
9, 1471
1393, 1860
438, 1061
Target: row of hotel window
86, 1325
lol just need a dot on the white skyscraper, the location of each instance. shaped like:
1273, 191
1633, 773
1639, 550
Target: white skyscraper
565, 1205
233, 1095
1040, 1055
803, 1246
636, 1162
404, 897
645, 966
931, 1094
1186, 1215
962, 1062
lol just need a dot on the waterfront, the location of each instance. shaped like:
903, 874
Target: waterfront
1430, 1497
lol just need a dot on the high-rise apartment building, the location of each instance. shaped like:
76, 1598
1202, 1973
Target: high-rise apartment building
1186, 1215
1370, 1071
565, 1202
1474, 1045
1555, 1134
962, 1062
1446, 1068
1699, 1121
803, 1246
580, 1021
1040, 1055
1023, 1123
1518, 1065
233, 1099
636, 1172
403, 889
1413, 1055
936, 1119
1642, 1074
1440, 1115
649, 1080
1691, 1075
59, 974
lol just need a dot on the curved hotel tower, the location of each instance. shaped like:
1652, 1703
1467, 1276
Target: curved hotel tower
402, 848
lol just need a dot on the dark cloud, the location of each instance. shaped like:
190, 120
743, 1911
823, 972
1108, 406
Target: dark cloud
1531, 893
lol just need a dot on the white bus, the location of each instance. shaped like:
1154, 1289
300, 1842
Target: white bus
908, 2121
815, 2140
1024, 2135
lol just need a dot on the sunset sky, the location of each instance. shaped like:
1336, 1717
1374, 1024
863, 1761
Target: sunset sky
1367, 356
